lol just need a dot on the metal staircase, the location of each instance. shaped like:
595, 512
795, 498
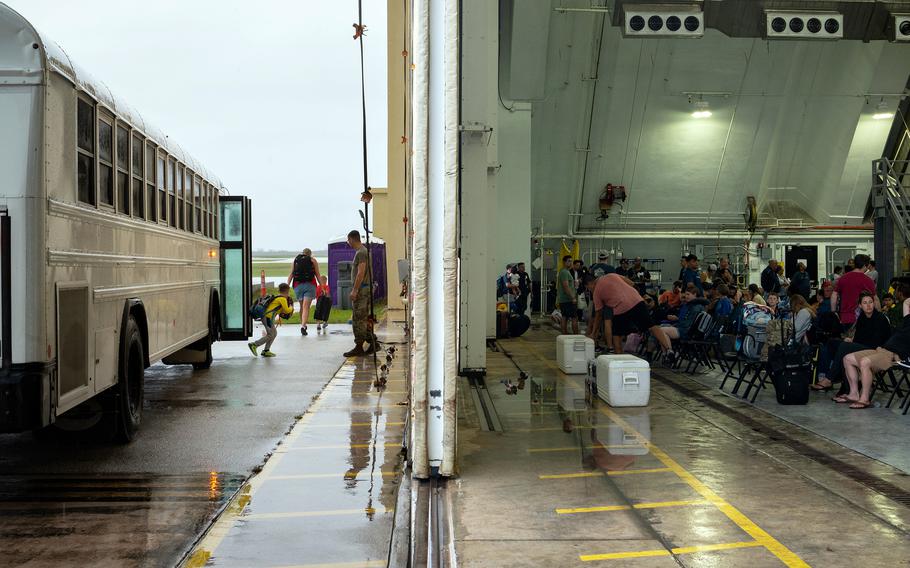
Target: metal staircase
891, 190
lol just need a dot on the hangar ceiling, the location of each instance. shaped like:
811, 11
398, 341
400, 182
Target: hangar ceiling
791, 120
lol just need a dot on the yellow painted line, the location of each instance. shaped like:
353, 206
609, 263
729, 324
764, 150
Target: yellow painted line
355, 424
570, 448
329, 476
307, 514
342, 446
554, 429
601, 474
657, 505
784, 554
680, 550
364, 564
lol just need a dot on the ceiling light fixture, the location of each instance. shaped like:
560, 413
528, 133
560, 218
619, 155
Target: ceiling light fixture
701, 110
881, 111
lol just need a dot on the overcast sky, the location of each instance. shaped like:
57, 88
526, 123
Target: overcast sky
266, 95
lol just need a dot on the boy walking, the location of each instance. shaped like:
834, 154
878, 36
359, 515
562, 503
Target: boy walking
280, 306
323, 306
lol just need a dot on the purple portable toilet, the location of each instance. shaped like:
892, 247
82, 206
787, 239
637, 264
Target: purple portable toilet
340, 252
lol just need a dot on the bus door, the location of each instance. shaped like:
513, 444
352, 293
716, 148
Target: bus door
236, 267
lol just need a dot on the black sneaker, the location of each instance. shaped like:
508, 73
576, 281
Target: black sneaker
904, 363
303, 330
669, 358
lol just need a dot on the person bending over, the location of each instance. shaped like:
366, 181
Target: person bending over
629, 312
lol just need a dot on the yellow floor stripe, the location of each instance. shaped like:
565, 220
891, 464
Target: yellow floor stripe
784, 554
628, 508
601, 474
681, 550
570, 448
306, 514
554, 429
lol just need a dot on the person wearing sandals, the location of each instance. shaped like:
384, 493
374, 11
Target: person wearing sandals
305, 277
862, 366
870, 331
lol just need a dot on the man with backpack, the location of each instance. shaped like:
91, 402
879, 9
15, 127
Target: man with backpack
266, 309
305, 276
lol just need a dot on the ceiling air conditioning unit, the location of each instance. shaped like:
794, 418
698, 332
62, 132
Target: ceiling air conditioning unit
670, 20
804, 25
900, 27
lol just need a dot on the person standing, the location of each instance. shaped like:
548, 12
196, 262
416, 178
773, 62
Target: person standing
800, 283
769, 280
640, 275
601, 267
690, 274
305, 277
524, 289
360, 299
848, 288
873, 273
566, 296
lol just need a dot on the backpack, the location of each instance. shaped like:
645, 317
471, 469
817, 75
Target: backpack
755, 314
701, 326
303, 268
257, 310
754, 341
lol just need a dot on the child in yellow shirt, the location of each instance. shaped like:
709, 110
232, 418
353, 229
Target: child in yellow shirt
280, 306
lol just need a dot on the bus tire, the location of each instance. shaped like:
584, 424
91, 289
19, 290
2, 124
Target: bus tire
130, 387
208, 341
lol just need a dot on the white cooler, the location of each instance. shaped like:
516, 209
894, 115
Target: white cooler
623, 380
573, 353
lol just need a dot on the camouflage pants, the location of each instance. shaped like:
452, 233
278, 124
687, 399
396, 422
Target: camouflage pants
361, 319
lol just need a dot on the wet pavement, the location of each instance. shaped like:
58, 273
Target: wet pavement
71, 500
693, 479
327, 495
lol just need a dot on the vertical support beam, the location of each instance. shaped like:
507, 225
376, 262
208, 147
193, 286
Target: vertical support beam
477, 278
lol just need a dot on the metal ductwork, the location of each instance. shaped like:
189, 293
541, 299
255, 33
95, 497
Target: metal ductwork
864, 20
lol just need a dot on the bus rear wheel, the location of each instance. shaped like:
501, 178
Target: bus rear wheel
130, 387
213, 325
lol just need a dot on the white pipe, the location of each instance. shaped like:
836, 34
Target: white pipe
442, 407
419, 333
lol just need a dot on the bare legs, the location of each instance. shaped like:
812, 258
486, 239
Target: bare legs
305, 311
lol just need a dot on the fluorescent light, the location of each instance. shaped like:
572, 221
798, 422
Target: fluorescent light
701, 110
882, 115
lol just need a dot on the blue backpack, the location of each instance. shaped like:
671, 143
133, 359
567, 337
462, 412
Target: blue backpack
257, 310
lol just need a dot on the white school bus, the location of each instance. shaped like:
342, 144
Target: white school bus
119, 250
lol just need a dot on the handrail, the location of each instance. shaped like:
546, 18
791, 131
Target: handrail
887, 184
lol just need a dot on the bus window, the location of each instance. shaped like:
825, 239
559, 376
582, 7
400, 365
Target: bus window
85, 154
123, 170
172, 209
179, 189
106, 161
188, 198
208, 210
197, 192
162, 192
150, 182
138, 184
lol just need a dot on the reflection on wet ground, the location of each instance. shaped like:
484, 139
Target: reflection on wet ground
571, 481
327, 495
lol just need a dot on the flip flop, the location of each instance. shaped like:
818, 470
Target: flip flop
860, 405
843, 399
818, 387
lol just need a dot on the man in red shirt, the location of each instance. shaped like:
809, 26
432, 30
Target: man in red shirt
629, 311
848, 288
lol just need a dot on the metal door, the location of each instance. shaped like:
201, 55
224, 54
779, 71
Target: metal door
236, 267
805, 254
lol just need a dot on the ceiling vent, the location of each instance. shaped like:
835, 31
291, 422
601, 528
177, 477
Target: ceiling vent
804, 25
900, 27
655, 20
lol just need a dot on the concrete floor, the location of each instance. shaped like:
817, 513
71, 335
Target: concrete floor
327, 496
694, 479
74, 501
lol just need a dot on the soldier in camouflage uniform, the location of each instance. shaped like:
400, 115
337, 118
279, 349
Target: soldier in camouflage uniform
360, 299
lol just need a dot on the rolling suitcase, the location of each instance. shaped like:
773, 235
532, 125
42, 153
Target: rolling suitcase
323, 309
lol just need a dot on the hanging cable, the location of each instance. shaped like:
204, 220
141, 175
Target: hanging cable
366, 196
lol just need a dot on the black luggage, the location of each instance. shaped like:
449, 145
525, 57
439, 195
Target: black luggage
790, 364
502, 324
518, 324
323, 309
